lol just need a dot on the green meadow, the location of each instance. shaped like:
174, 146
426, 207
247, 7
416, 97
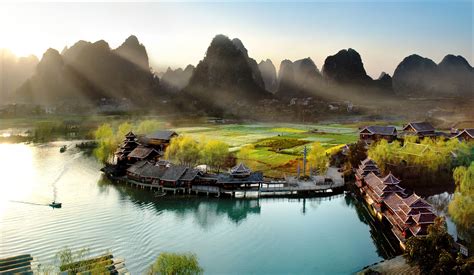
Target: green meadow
273, 148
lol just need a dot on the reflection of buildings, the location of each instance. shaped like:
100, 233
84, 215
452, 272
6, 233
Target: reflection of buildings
204, 210
407, 215
384, 243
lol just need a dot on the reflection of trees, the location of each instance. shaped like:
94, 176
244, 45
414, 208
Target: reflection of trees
440, 202
385, 243
206, 211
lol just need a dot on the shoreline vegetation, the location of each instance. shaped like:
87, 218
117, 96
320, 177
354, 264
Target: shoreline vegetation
81, 261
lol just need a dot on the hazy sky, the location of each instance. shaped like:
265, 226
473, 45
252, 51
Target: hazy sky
177, 34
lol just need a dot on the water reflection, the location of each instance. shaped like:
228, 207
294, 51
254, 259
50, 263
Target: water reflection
205, 211
386, 244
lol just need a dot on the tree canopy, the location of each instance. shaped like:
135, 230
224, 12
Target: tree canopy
461, 207
187, 151
318, 158
435, 253
429, 161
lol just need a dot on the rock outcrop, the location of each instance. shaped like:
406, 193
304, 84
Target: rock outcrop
384, 81
257, 77
91, 71
345, 67
422, 77
176, 80
298, 79
456, 76
224, 76
14, 71
268, 72
133, 51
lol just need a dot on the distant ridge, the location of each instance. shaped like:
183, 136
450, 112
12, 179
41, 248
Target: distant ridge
91, 71
420, 76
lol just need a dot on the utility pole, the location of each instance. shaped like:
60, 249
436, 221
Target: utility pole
305, 151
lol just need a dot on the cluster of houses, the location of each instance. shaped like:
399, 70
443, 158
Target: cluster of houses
374, 133
139, 161
407, 214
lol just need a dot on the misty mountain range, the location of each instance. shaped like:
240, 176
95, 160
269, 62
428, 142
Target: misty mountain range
91, 71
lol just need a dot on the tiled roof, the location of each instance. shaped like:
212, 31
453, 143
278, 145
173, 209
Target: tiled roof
135, 168
254, 177
424, 217
174, 173
163, 135
130, 135
381, 130
368, 161
469, 132
141, 152
152, 171
190, 174
420, 127
390, 179
240, 169
393, 201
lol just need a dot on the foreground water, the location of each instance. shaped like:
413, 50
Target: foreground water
316, 235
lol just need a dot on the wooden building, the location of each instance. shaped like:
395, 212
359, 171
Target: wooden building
377, 189
409, 216
128, 145
465, 135
420, 129
159, 140
376, 133
239, 177
365, 167
146, 172
171, 178
162, 173
143, 153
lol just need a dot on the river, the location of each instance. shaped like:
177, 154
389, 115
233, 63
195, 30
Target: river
304, 236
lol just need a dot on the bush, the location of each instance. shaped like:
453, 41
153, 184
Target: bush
175, 263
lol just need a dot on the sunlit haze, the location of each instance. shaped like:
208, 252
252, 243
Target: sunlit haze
177, 34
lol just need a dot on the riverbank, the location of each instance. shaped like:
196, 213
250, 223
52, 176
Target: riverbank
393, 266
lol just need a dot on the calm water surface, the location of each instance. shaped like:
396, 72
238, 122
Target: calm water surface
317, 235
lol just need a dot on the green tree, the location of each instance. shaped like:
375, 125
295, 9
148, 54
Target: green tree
175, 264
184, 150
461, 208
148, 126
107, 143
318, 158
214, 153
123, 129
357, 153
435, 253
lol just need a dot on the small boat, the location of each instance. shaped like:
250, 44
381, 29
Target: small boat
63, 149
55, 204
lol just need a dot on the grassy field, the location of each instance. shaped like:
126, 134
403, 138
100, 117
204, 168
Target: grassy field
273, 148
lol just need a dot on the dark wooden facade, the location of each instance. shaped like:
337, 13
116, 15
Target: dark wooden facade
376, 133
